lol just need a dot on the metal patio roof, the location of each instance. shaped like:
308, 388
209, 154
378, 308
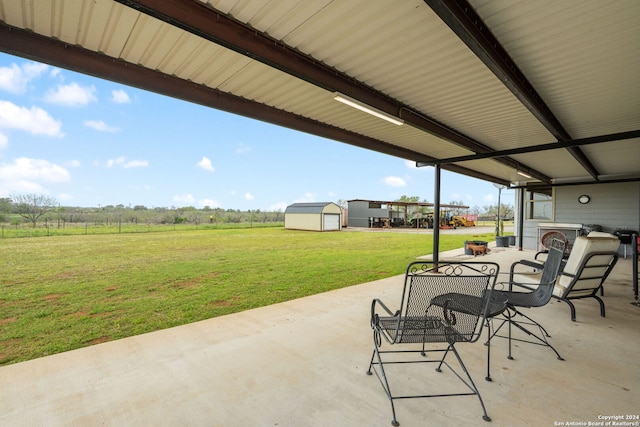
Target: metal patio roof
406, 204
480, 85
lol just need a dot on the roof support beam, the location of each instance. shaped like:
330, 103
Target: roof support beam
543, 147
468, 26
15, 41
199, 19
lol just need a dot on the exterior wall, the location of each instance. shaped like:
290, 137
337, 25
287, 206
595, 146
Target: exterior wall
303, 221
359, 213
332, 208
612, 206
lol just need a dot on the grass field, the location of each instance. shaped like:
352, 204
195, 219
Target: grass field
65, 292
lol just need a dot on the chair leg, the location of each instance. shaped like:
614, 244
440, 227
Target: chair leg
544, 331
383, 379
542, 338
572, 308
439, 368
601, 305
488, 344
376, 366
492, 333
471, 384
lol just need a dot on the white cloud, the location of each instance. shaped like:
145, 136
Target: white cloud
71, 95
489, 198
278, 207
249, 196
21, 186
394, 181
36, 169
99, 125
241, 149
307, 198
4, 141
183, 198
28, 175
16, 78
55, 72
205, 164
142, 187
120, 97
34, 120
208, 202
410, 164
126, 164
135, 164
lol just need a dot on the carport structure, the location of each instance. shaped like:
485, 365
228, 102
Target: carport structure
531, 94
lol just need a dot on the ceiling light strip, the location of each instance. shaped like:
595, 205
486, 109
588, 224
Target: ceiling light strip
366, 108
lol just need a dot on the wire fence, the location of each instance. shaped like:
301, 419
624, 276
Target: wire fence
9, 231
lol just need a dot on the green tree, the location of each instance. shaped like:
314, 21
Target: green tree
33, 206
457, 211
5, 204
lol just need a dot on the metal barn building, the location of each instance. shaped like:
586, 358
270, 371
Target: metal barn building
319, 216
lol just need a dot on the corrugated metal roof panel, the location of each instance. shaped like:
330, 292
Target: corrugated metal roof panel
415, 58
578, 65
582, 57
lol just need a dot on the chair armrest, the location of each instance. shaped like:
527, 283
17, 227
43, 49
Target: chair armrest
529, 263
527, 286
525, 262
546, 252
374, 315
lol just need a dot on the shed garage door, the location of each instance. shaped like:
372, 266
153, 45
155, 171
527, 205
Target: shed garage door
331, 222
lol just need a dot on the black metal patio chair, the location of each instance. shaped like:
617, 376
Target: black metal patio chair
531, 294
441, 306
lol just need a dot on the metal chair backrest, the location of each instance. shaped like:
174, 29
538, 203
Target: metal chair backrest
455, 293
550, 271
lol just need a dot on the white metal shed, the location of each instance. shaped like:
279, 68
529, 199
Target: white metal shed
317, 216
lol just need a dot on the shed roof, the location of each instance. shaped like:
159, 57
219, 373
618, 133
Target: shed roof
399, 203
311, 207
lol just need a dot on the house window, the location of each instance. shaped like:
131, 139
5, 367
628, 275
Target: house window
539, 205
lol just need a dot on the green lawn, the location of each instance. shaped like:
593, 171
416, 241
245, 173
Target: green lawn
65, 292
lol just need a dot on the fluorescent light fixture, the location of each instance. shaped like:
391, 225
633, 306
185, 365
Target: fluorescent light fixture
366, 108
526, 175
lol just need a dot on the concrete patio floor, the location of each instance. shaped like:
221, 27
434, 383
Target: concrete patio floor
303, 363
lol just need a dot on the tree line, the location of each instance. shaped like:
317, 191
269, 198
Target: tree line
39, 208
34, 208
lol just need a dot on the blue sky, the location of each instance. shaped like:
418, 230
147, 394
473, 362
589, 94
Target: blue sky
90, 142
